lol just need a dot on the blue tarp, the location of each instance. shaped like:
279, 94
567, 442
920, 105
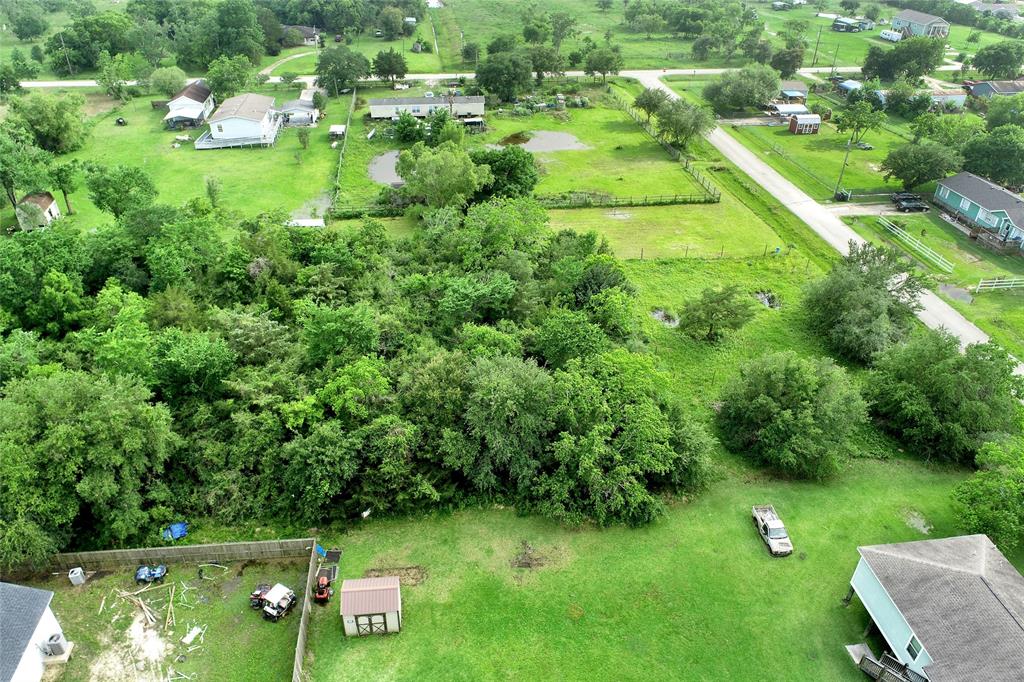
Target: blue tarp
176, 531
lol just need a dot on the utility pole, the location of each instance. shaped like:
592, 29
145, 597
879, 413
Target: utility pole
842, 169
814, 60
835, 57
71, 71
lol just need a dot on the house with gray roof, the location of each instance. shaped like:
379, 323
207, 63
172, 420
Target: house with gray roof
912, 23
421, 107
30, 636
989, 89
984, 205
246, 120
948, 610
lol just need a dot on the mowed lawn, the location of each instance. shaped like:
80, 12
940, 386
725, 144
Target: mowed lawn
620, 160
238, 645
1000, 314
253, 180
813, 162
694, 596
368, 45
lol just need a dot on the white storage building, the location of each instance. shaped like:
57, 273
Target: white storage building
371, 606
190, 107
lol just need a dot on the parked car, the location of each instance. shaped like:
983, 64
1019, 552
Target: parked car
864, 145
911, 206
150, 574
904, 196
257, 598
772, 530
277, 602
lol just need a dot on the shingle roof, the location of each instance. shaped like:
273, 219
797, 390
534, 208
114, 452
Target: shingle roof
963, 600
1003, 87
793, 85
465, 99
304, 105
248, 106
20, 610
918, 17
306, 31
197, 91
40, 199
370, 595
988, 195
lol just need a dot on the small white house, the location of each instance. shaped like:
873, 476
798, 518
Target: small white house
30, 636
190, 107
460, 106
310, 34
37, 210
242, 121
371, 606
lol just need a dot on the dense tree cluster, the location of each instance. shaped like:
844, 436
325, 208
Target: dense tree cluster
174, 363
910, 59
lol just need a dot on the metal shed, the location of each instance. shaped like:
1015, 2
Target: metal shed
371, 606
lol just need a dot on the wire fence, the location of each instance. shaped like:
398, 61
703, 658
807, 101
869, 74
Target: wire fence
591, 200
344, 145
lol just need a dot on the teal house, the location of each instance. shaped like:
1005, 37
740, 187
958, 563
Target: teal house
984, 205
948, 610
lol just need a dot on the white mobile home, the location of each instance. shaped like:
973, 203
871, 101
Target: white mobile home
30, 636
458, 106
242, 121
190, 107
371, 606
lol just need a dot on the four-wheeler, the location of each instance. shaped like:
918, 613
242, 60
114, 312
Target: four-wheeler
150, 574
257, 596
911, 206
904, 196
277, 601
772, 530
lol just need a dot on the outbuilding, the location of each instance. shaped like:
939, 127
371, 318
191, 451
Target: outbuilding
793, 91
787, 110
848, 86
805, 124
190, 107
300, 112
30, 636
36, 210
371, 606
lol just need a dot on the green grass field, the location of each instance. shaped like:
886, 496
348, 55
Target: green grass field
253, 180
1000, 314
422, 62
238, 644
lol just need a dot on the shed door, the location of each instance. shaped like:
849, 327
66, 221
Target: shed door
371, 624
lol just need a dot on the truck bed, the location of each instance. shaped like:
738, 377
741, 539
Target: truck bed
764, 512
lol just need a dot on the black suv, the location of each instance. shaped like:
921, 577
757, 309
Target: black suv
911, 206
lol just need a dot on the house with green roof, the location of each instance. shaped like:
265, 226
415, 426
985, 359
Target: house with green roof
984, 205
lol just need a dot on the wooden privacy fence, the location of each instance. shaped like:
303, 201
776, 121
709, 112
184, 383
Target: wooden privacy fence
923, 249
300, 643
999, 283
225, 551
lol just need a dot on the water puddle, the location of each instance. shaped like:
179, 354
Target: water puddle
382, 169
544, 141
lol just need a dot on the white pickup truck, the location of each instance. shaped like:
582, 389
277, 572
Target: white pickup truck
772, 531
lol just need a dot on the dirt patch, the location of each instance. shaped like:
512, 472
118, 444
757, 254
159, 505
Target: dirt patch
768, 299
544, 141
408, 575
528, 557
522, 137
665, 318
916, 521
618, 215
96, 103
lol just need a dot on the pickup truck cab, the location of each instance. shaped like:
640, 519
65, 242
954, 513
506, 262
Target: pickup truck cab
772, 530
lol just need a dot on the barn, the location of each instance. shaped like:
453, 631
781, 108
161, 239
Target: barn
371, 606
805, 124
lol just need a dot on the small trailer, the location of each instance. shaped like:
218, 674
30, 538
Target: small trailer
772, 530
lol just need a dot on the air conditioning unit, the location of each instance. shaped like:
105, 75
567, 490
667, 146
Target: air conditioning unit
56, 645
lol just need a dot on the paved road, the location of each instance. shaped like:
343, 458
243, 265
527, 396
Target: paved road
639, 75
935, 312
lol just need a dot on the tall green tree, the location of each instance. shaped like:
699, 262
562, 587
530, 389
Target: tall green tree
751, 86
680, 122
441, 176
998, 156
1000, 60
338, 68
389, 65
716, 312
119, 189
650, 101
56, 122
227, 76
22, 163
505, 74
915, 164
859, 119
605, 61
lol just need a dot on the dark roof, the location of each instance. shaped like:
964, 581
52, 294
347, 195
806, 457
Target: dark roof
467, 99
963, 600
249, 106
793, 85
306, 31
197, 91
40, 199
918, 17
295, 104
1002, 87
20, 610
988, 195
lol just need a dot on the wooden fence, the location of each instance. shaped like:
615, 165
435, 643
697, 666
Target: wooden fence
307, 603
999, 283
225, 551
926, 251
